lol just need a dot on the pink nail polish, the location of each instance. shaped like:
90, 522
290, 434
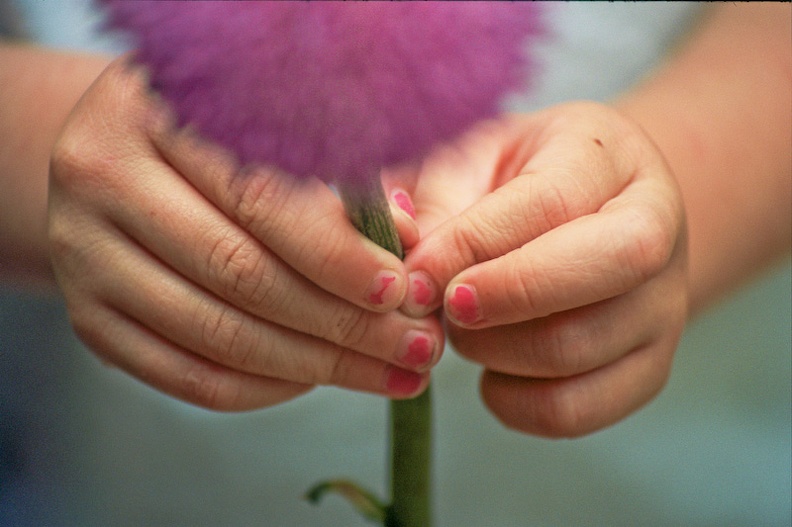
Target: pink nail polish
402, 199
421, 291
419, 350
402, 383
463, 305
382, 290
421, 295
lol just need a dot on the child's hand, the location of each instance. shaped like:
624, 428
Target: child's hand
229, 290
556, 244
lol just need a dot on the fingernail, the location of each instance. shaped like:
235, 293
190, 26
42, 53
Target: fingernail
403, 201
421, 294
401, 383
384, 290
417, 350
463, 305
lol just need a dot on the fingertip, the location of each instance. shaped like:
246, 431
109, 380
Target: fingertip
403, 213
402, 200
404, 384
386, 291
419, 350
422, 296
462, 305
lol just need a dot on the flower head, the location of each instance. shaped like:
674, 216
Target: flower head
330, 89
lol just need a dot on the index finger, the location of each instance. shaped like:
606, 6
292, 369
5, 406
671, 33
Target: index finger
302, 222
555, 168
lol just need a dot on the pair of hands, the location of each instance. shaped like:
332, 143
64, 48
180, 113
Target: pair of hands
555, 242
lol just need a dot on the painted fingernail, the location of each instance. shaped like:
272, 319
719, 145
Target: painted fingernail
417, 350
384, 289
402, 383
421, 294
463, 305
402, 199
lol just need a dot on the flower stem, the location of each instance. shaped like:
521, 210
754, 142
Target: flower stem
411, 430
410, 420
367, 207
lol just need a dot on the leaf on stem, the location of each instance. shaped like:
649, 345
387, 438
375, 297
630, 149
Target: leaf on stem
368, 505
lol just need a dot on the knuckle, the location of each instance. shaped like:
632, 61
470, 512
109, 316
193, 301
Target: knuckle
71, 159
259, 199
245, 273
61, 239
86, 147
349, 327
65, 158
652, 246
557, 413
202, 386
528, 296
225, 332
469, 240
73, 241
558, 348
312, 369
550, 206
322, 259
338, 371
562, 419
547, 408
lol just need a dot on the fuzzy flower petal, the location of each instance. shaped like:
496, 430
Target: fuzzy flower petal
330, 89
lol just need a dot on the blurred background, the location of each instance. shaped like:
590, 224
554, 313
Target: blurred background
86, 446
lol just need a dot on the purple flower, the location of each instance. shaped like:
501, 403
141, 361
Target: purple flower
330, 89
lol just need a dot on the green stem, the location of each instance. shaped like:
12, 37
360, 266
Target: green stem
410, 430
367, 208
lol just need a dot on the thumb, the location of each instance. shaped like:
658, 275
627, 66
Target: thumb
447, 184
452, 177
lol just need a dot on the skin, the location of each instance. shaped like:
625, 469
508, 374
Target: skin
39, 89
591, 233
216, 285
160, 281
588, 234
572, 263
